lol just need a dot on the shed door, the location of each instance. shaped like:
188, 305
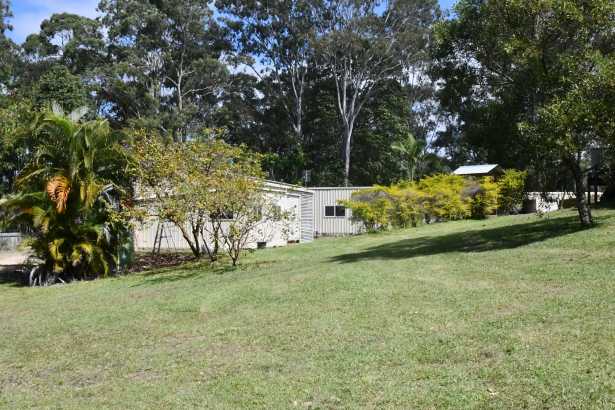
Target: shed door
307, 218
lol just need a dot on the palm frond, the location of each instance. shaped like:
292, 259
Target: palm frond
78, 113
57, 109
58, 189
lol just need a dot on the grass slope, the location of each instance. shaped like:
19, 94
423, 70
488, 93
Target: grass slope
507, 313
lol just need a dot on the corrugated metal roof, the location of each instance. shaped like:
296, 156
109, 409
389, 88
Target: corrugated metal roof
337, 188
475, 169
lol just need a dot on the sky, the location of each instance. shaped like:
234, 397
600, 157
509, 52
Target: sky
28, 14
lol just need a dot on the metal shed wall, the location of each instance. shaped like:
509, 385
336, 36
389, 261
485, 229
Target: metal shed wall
307, 217
288, 197
329, 196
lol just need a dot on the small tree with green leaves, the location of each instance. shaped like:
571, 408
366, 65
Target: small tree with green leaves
211, 191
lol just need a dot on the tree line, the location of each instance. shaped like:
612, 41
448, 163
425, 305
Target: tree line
335, 92
322, 87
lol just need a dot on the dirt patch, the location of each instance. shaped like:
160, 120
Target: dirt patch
145, 262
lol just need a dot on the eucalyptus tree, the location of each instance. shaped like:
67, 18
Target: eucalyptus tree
274, 39
74, 41
364, 43
167, 70
531, 79
63, 62
8, 55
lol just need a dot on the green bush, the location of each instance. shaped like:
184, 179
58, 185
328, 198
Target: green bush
443, 199
482, 195
436, 198
407, 205
67, 195
511, 190
372, 207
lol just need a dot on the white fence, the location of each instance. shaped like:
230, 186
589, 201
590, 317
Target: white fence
552, 201
10, 241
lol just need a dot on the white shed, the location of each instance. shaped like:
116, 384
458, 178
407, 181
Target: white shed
331, 218
294, 199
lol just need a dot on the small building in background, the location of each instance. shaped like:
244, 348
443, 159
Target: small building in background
481, 170
331, 218
296, 200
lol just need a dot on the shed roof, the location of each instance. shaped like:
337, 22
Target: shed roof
482, 169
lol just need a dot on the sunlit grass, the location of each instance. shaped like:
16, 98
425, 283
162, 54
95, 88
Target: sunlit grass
511, 312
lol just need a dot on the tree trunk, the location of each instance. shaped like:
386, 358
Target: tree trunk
585, 214
347, 140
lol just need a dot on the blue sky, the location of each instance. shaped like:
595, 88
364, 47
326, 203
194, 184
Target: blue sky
28, 14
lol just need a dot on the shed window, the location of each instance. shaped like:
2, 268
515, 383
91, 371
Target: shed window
340, 210
329, 211
223, 215
335, 211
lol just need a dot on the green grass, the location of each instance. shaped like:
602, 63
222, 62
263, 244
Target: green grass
513, 312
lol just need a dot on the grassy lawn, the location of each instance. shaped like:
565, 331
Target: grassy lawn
511, 312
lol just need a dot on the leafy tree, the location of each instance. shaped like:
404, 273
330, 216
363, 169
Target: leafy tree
517, 73
8, 54
384, 123
63, 63
16, 143
76, 231
365, 43
61, 87
210, 190
73, 41
168, 72
253, 216
274, 39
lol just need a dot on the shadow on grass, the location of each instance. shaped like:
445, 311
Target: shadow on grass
195, 269
506, 237
182, 272
13, 276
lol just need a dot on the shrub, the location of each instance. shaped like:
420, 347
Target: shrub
443, 199
436, 198
511, 190
407, 205
372, 207
482, 195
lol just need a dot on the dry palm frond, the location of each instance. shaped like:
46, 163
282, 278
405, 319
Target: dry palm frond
58, 189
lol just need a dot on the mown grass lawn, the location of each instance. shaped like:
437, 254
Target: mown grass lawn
512, 312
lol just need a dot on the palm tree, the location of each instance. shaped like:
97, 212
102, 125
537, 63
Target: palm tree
66, 195
411, 152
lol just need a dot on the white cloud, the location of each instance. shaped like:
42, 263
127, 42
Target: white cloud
29, 14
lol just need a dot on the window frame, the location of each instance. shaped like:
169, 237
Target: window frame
335, 213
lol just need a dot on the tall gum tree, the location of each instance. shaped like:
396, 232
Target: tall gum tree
167, 72
364, 43
274, 39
